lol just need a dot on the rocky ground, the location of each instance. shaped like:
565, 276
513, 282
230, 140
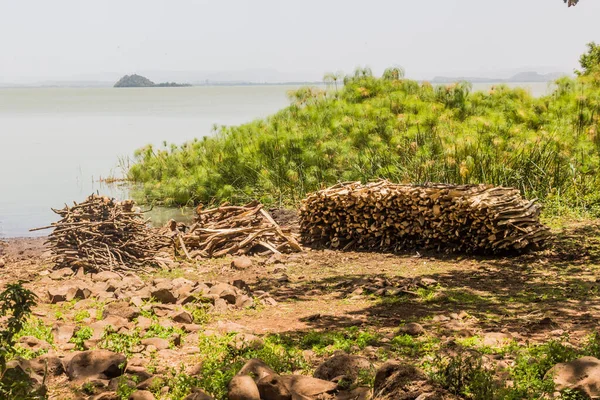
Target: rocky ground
324, 324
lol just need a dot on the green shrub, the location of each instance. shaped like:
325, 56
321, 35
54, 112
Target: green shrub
392, 128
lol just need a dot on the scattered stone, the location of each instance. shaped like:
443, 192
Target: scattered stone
402, 381
141, 395
107, 396
164, 293
241, 263
220, 306
183, 317
104, 276
272, 387
496, 339
144, 323
197, 394
191, 328
33, 344
343, 364
246, 340
257, 369
61, 273
308, 386
62, 332
96, 364
412, 329
2, 262
78, 293
243, 301
121, 309
158, 343
582, 374
243, 387
57, 295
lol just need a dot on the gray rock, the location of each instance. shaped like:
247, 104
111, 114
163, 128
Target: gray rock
57, 295
96, 364
61, 273
141, 395
272, 387
582, 374
241, 263
183, 317
256, 368
412, 329
164, 293
243, 387
104, 276
158, 343
343, 364
121, 309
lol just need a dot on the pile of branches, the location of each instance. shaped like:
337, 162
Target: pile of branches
235, 230
103, 234
391, 217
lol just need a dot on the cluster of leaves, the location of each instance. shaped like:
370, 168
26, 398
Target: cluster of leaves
465, 374
348, 340
394, 128
222, 360
16, 304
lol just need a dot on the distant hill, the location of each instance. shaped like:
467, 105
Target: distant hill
141, 81
529, 76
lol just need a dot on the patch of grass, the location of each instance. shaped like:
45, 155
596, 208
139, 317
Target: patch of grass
348, 340
413, 347
83, 333
81, 315
200, 312
220, 361
465, 375
120, 342
37, 328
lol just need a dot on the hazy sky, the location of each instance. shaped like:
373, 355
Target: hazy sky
66, 39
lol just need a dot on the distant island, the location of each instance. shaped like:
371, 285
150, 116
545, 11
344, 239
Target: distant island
521, 77
141, 81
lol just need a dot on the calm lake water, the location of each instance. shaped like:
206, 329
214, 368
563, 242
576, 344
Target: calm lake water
56, 143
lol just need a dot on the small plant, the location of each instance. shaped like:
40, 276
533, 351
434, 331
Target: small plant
81, 315
16, 302
464, 374
79, 338
120, 342
347, 340
124, 387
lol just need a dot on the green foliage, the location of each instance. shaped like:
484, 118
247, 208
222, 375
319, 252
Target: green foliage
221, 361
348, 340
590, 61
16, 303
79, 338
125, 388
81, 315
120, 342
392, 128
464, 374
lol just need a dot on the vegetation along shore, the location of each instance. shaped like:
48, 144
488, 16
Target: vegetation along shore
398, 129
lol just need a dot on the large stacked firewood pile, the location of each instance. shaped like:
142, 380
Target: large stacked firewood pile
103, 234
235, 230
389, 217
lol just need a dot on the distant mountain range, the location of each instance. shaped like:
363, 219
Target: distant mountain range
529, 76
253, 77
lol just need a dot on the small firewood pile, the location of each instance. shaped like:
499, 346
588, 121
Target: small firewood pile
103, 234
234, 230
391, 217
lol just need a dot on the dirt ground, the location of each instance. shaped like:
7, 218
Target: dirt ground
531, 297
